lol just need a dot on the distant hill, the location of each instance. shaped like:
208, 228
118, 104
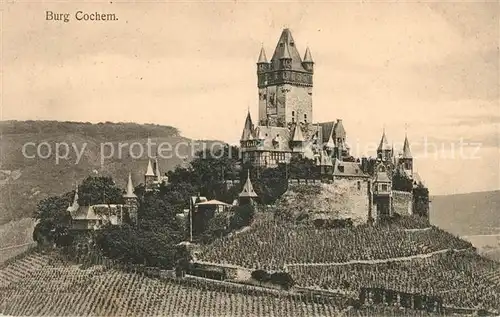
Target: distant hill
474, 216
467, 214
24, 181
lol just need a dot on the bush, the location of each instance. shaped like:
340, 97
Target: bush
261, 276
282, 279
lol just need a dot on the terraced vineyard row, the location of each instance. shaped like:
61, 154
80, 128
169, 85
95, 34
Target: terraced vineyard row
270, 245
69, 290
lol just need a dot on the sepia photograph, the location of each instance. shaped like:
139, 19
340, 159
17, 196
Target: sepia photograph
249, 158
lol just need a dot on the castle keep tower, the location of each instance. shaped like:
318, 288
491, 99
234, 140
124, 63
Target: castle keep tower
285, 84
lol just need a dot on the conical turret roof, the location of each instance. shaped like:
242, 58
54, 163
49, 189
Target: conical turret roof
74, 206
157, 169
247, 190
383, 145
247, 133
130, 188
406, 148
307, 56
149, 170
262, 56
297, 134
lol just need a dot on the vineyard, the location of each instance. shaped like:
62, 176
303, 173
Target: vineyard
52, 287
271, 245
96, 291
460, 279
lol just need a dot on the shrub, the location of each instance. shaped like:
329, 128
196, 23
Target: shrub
282, 279
261, 276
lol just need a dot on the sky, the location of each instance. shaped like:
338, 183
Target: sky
430, 70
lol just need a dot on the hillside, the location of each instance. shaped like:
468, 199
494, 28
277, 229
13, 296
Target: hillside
44, 285
24, 181
467, 214
427, 261
474, 216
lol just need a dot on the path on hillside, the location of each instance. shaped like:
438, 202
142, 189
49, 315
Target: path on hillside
405, 258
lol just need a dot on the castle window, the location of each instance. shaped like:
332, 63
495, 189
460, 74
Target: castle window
384, 187
359, 185
341, 168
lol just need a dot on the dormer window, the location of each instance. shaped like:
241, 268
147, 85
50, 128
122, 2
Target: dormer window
341, 168
292, 43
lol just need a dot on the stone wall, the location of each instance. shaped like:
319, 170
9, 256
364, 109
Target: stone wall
402, 202
344, 198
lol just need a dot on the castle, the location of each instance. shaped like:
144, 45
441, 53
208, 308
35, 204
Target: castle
285, 129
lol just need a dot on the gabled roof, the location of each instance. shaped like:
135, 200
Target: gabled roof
269, 133
350, 169
212, 202
149, 170
262, 56
247, 133
97, 212
383, 145
130, 188
406, 148
381, 177
247, 190
286, 48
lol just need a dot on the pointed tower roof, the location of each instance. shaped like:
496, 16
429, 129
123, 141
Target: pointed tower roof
406, 148
74, 206
297, 134
149, 170
308, 57
247, 190
331, 143
247, 133
325, 159
286, 48
262, 56
130, 188
157, 169
339, 129
383, 145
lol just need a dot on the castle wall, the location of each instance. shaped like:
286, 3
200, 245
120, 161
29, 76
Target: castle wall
402, 202
341, 199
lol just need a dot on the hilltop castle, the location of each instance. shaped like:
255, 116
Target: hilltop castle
285, 129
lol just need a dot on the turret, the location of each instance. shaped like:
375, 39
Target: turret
406, 159
384, 150
247, 195
308, 62
149, 177
262, 63
247, 135
130, 199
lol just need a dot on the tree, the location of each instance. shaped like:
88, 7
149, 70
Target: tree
243, 216
261, 276
54, 221
99, 190
282, 279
